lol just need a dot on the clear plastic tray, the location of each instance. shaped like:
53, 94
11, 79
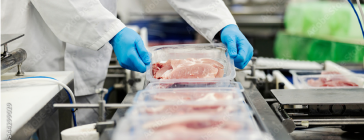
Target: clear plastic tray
166, 108
185, 95
330, 81
296, 73
214, 135
182, 136
217, 52
166, 85
196, 126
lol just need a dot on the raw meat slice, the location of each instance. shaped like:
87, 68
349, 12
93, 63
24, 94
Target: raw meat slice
159, 69
333, 79
181, 134
183, 109
199, 124
329, 72
192, 71
315, 83
188, 68
192, 96
193, 129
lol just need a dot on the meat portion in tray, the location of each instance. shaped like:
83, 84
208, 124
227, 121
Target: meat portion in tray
190, 96
194, 130
331, 79
186, 109
188, 69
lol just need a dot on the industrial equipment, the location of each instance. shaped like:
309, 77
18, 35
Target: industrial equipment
14, 58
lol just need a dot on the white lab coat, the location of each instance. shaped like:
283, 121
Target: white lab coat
65, 34
73, 35
207, 17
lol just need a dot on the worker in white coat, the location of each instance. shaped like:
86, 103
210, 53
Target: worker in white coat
79, 36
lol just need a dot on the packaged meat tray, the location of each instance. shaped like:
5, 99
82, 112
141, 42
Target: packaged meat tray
190, 62
197, 84
296, 73
186, 95
178, 108
330, 80
194, 127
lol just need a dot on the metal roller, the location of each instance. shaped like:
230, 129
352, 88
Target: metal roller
283, 116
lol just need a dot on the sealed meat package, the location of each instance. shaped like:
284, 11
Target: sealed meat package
178, 108
197, 84
196, 127
189, 68
190, 63
189, 95
330, 79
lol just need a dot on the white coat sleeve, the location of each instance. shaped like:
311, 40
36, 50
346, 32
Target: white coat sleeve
84, 23
207, 17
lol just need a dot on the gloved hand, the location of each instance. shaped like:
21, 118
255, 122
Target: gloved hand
238, 46
130, 51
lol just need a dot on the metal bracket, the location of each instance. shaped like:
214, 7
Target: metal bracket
102, 106
252, 68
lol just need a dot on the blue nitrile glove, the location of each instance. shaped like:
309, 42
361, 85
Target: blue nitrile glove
238, 46
130, 51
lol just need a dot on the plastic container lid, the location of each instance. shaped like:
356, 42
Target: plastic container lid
217, 52
189, 136
186, 95
197, 84
176, 108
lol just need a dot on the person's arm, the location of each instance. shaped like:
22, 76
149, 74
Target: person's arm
84, 23
211, 18
207, 17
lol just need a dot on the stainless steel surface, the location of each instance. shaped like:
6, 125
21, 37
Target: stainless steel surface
31, 126
102, 110
115, 66
14, 58
331, 120
116, 75
319, 96
20, 72
287, 122
116, 106
262, 112
326, 133
270, 100
108, 106
336, 110
254, 59
106, 123
6, 51
327, 123
252, 70
265, 115
101, 126
6, 38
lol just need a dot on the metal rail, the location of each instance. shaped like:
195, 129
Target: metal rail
109, 106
